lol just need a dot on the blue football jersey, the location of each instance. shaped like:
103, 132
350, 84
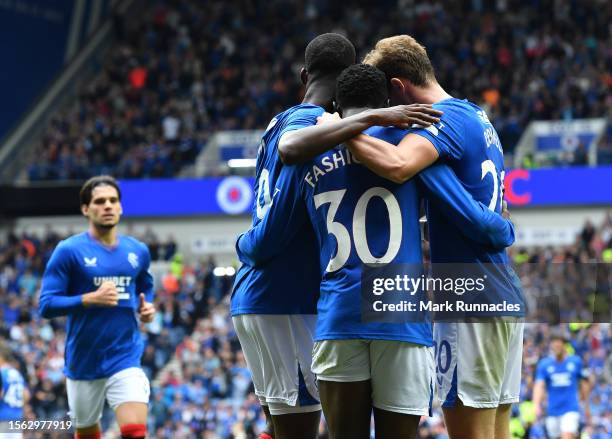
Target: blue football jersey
100, 341
329, 187
360, 218
468, 143
13, 388
561, 380
282, 275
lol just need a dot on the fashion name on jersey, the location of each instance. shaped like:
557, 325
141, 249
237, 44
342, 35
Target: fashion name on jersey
327, 164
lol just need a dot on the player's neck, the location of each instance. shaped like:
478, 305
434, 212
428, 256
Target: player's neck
320, 92
431, 94
105, 236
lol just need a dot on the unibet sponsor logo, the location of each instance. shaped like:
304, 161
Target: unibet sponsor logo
121, 283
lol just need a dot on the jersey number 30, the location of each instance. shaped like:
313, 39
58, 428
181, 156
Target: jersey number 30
342, 235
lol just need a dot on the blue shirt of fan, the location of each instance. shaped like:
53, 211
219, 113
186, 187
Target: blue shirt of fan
100, 341
467, 142
561, 378
11, 401
275, 278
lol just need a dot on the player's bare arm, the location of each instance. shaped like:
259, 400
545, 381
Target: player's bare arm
105, 295
304, 144
585, 392
539, 392
396, 163
145, 309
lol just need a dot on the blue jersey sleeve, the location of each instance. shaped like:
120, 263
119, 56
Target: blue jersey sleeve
285, 216
474, 219
541, 371
447, 135
144, 281
54, 301
301, 119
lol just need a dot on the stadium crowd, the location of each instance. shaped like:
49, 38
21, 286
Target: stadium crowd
181, 70
201, 385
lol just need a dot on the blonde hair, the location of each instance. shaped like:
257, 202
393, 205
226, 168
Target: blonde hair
402, 56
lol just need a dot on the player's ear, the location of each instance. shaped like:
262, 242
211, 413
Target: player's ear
304, 75
397, 85
84, 209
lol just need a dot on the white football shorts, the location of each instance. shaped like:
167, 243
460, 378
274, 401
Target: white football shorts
278, 352
402, 373
566, 423
479, 362
86, 397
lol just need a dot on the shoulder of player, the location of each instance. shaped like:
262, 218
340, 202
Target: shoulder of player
72, 243
574, 358
389, 134
546, 361
455, 109
300, 110
131, 241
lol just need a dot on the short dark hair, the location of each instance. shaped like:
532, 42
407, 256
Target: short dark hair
329, 53
557, 335
361, 85
100, 180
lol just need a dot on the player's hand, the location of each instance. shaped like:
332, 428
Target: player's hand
538, 411
587, 415
327, 117
105, 295
505, 211
404, 116
146, 310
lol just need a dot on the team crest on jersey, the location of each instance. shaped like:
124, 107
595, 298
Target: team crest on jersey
571, 367
133, 259
90, 262
550, 369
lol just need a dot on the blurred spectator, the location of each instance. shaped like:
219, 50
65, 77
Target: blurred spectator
201, 384
182, 70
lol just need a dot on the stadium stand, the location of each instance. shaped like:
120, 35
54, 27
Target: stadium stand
183, 70
201, 385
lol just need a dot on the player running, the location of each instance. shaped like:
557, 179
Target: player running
275, 293
361, 218
100, 279
13, 395
562, 377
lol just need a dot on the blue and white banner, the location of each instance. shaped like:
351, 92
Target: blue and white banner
578, 186
210, 196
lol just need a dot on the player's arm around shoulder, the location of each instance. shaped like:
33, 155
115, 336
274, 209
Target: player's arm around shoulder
314, 139
396, 163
